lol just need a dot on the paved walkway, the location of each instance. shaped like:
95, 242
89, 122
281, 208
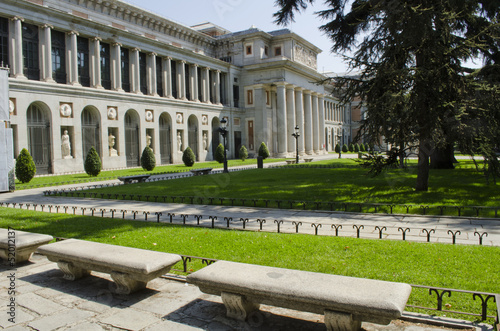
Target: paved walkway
45, 301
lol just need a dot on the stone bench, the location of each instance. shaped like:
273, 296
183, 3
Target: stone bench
308, 159
345, 301
290, 161
202, 171
20, 245
136, 178
130, 268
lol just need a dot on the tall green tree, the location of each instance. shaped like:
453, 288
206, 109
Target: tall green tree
410, 57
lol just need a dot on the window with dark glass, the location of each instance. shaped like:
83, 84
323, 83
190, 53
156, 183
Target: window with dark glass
105, 66
58, 56
143, 73
174, 78
159, 80
83, 61
125, 65
4, 41
187, 80
30, 51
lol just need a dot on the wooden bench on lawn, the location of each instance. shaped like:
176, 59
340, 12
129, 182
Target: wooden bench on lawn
130, 268
202, 171
136, 178
345, 301
20, 245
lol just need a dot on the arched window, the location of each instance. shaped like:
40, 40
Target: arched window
39, 144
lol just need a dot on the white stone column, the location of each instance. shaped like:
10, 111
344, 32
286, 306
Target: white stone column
308, 125
281, 115
315, 122
116, 67
290, 117
16, 53
217, 87
299, 117
73, 58
181, 80
152, 80
95, 62
135, 71
167, 77
46, 53
194, 83
260, 128
206, 86
322, 137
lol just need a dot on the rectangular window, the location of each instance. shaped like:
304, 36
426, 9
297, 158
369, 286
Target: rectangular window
58, 56
277, 51
268, 98
105, 66
143, 72
187, 81
236, 96
125, 68
248, 49
250, 97
30, 51
83, 61
4, 41
250, 135
159, 80
266, 51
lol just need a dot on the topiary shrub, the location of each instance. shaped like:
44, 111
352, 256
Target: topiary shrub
25, 166
243, 153
337, 148
92, 163
219, 154
263, 151
351, 147
356, 148
344, 148
148, 160
188, 157
362, 148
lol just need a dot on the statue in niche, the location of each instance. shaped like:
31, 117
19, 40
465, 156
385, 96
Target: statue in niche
65, 146
148, 141
205, 141
111, 143
179, 141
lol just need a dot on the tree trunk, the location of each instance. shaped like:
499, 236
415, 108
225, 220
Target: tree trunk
443, 158
423, 168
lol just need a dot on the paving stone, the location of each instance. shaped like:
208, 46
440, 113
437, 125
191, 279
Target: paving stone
87, 326
22, 316
60, 319
129, 318
38, 304
171, 325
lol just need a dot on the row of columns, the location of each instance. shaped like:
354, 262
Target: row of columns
294, 106
207, 89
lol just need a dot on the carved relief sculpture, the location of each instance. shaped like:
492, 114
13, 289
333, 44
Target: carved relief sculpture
112, 113
65, 110
149, 116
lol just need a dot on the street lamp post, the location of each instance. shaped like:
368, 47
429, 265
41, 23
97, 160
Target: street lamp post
340, 145
296, 135
223, 132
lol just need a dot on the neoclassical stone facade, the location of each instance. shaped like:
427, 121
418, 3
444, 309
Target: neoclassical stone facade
110, 75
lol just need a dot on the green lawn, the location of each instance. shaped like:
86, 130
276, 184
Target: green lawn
441, 265
464, 186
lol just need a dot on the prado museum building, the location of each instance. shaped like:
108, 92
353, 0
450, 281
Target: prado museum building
111, 75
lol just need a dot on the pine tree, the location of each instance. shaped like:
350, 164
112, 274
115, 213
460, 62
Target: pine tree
188, 157
263, 151
25, 166
356, 148
92, 163
243, 153
148, 159
219, 154
344, 148
337, 148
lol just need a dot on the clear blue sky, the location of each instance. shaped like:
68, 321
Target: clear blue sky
238, 15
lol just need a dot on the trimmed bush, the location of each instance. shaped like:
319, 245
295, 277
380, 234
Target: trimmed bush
92, 163
351, 147
263, 151
25, 166
356, 148
219, 154
188, 157
148, 160
344, 148
362, 148
337, 148
243, 153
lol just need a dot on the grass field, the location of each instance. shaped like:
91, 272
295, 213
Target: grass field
441, 265
464, 186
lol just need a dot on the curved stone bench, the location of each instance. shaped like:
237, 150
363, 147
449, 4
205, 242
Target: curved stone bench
21, 245
345, 301
130, 268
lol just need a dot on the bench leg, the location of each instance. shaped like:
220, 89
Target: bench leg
125, 284
71, 272
337, 321
238, 307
